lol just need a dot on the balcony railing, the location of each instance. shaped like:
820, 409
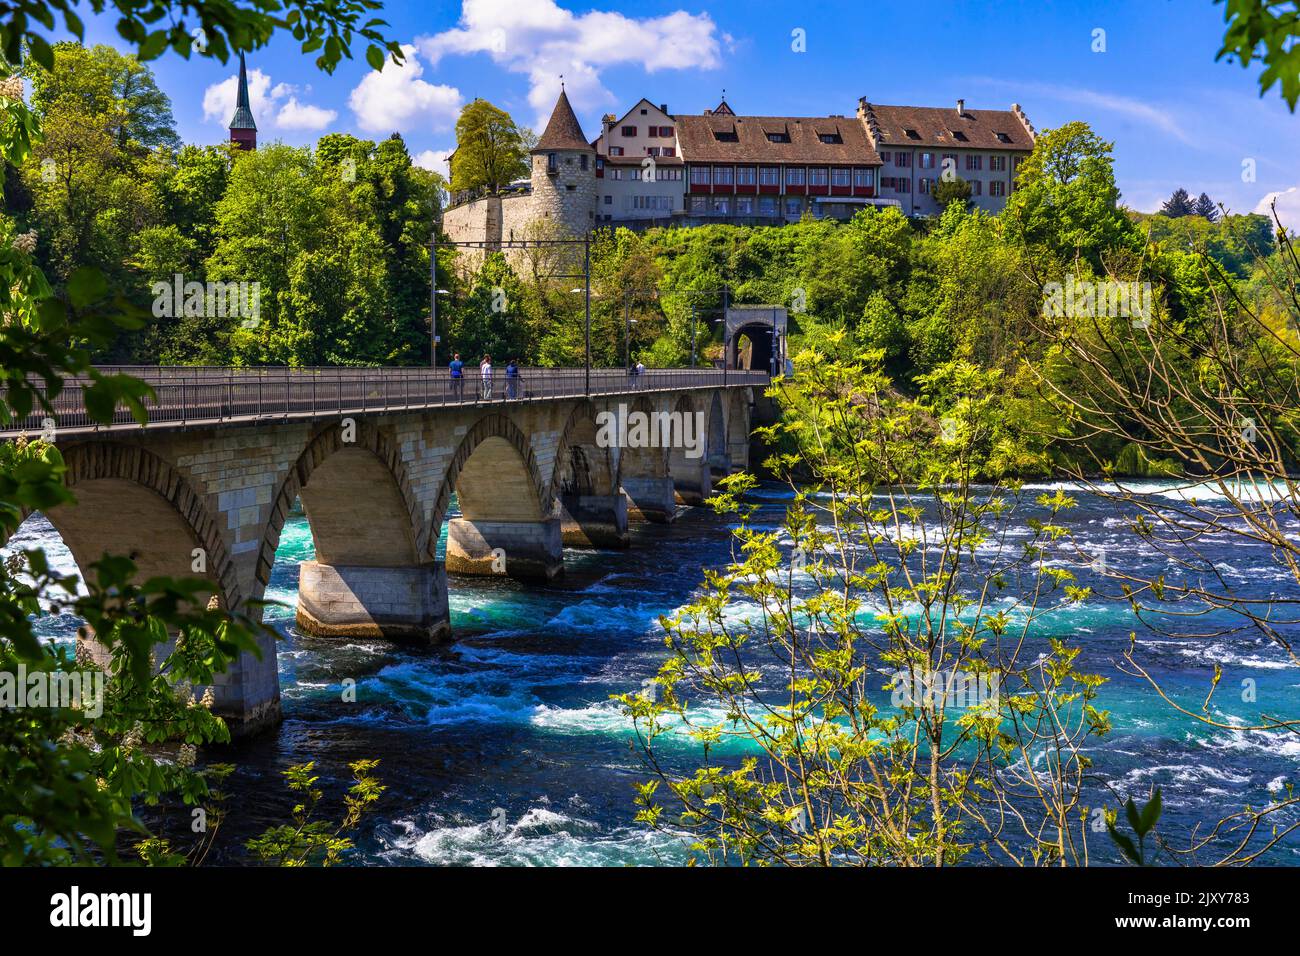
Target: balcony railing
192, 396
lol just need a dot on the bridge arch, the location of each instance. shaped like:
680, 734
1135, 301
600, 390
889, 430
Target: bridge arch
688, 454
585, 481
644, 474
507, 522
374, 573
130, 501
719, 460
738, 428
345, 487
157, 518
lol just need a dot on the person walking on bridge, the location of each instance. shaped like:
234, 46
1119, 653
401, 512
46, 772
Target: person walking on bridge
512, 379
457, 369
485, 370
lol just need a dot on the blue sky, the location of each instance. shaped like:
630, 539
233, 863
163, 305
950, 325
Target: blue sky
1176, 116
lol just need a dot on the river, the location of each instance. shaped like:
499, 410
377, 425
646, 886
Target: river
503, 747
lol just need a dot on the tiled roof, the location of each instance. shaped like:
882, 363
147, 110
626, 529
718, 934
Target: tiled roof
726, 138
563, 131
936, 126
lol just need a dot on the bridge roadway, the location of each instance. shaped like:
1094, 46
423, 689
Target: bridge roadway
373, 458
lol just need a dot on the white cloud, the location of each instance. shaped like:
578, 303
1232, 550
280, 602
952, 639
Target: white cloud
276, 105
1288, 207
295, 115
219, 98
1148, 114
435, 160
543, 40
396, 99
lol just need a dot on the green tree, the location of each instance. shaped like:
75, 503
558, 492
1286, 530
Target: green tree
1179, 204
826, 730
107, 83
1205, 208
948, 191
1066, 203
491, 151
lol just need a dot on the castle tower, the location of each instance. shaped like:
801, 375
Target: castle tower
243, 130
564, 173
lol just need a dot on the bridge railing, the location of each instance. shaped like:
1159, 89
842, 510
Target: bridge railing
185, 395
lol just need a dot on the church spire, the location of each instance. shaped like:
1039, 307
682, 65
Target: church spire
243, 130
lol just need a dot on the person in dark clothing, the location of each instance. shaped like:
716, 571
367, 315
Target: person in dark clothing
457, 369
512, 379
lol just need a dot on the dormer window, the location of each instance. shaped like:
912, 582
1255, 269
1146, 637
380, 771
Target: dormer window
831, 139
959, 136
912, 134
726, 136
1002, 137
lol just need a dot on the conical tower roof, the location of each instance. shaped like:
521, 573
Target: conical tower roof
563, 131
243, 109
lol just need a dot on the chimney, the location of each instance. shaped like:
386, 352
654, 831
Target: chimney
961, 107
663, 108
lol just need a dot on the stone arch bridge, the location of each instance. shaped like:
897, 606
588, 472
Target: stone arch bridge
374, 456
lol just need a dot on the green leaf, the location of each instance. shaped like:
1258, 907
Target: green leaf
86, 285
1150, 814
1125, 845
41, 51
1134, 819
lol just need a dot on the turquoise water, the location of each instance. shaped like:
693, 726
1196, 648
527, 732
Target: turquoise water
504, 747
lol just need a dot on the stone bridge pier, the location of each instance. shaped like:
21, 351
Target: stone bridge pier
511, 482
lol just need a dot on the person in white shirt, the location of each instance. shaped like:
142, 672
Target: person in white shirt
485, 369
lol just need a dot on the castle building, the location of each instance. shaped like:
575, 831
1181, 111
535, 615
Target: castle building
564, 173
916, 144
243, 129
653, 167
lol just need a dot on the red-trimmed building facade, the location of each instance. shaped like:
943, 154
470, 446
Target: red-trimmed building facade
654, 165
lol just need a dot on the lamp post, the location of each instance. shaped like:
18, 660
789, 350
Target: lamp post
586, 271
694, 323
434, 291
